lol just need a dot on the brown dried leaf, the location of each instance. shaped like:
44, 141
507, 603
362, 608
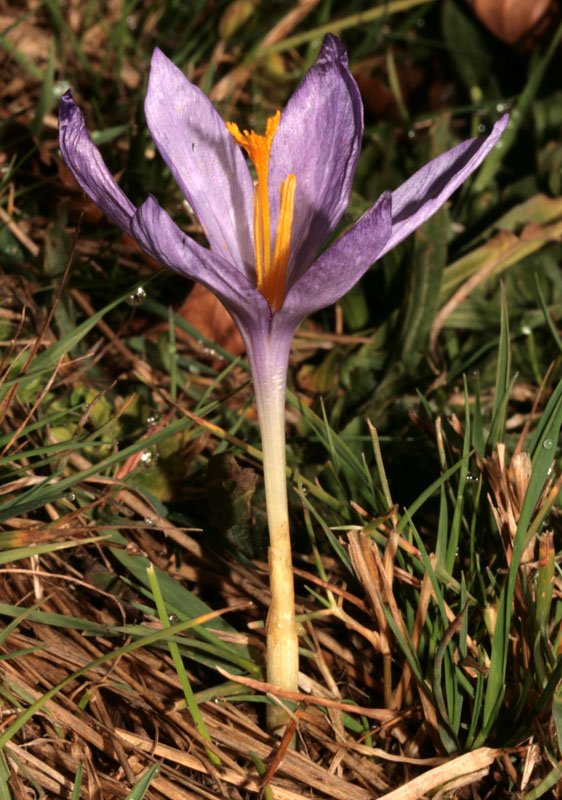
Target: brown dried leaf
206, 313
513, 20
455, 773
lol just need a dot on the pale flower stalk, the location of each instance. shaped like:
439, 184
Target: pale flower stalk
263, 261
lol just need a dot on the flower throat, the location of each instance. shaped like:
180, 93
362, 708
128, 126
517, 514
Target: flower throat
271, 271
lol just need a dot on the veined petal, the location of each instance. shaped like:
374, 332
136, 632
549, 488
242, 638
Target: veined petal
425, 192
88, 167
204, 160
318, 140
157, 233
341, 265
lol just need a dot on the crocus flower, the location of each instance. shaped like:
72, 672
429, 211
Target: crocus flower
263, 259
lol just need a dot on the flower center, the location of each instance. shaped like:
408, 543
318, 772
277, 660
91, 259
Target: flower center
271, 270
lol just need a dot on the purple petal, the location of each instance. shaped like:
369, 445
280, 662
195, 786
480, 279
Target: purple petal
426, 191
342, 264
318, 140
157, 233
204, 160
88, 167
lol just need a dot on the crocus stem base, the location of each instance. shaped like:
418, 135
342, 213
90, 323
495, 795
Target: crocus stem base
282, 641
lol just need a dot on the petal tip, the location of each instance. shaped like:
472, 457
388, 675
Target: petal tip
502, 123
158, 57
67, 108
163, 75
163, 67
333, 49
386, 200
160, 67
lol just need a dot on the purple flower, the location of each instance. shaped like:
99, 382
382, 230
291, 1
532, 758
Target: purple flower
263, 260
305, 165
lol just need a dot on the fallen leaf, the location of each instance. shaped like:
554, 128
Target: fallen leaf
514, 20
206, 313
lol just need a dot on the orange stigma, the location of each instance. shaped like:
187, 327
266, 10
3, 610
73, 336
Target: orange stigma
271, 271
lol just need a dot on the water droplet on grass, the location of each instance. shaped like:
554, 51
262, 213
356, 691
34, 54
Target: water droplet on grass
60, 88
548, 444
136, 297
147, 458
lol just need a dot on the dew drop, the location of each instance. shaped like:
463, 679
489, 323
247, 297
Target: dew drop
60, 88
151, 420
147, 457
86, 406
526, 330
471, 478
172, 619
481, 128
71, 496
136, 297
148, 521
548, 444
412, 134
